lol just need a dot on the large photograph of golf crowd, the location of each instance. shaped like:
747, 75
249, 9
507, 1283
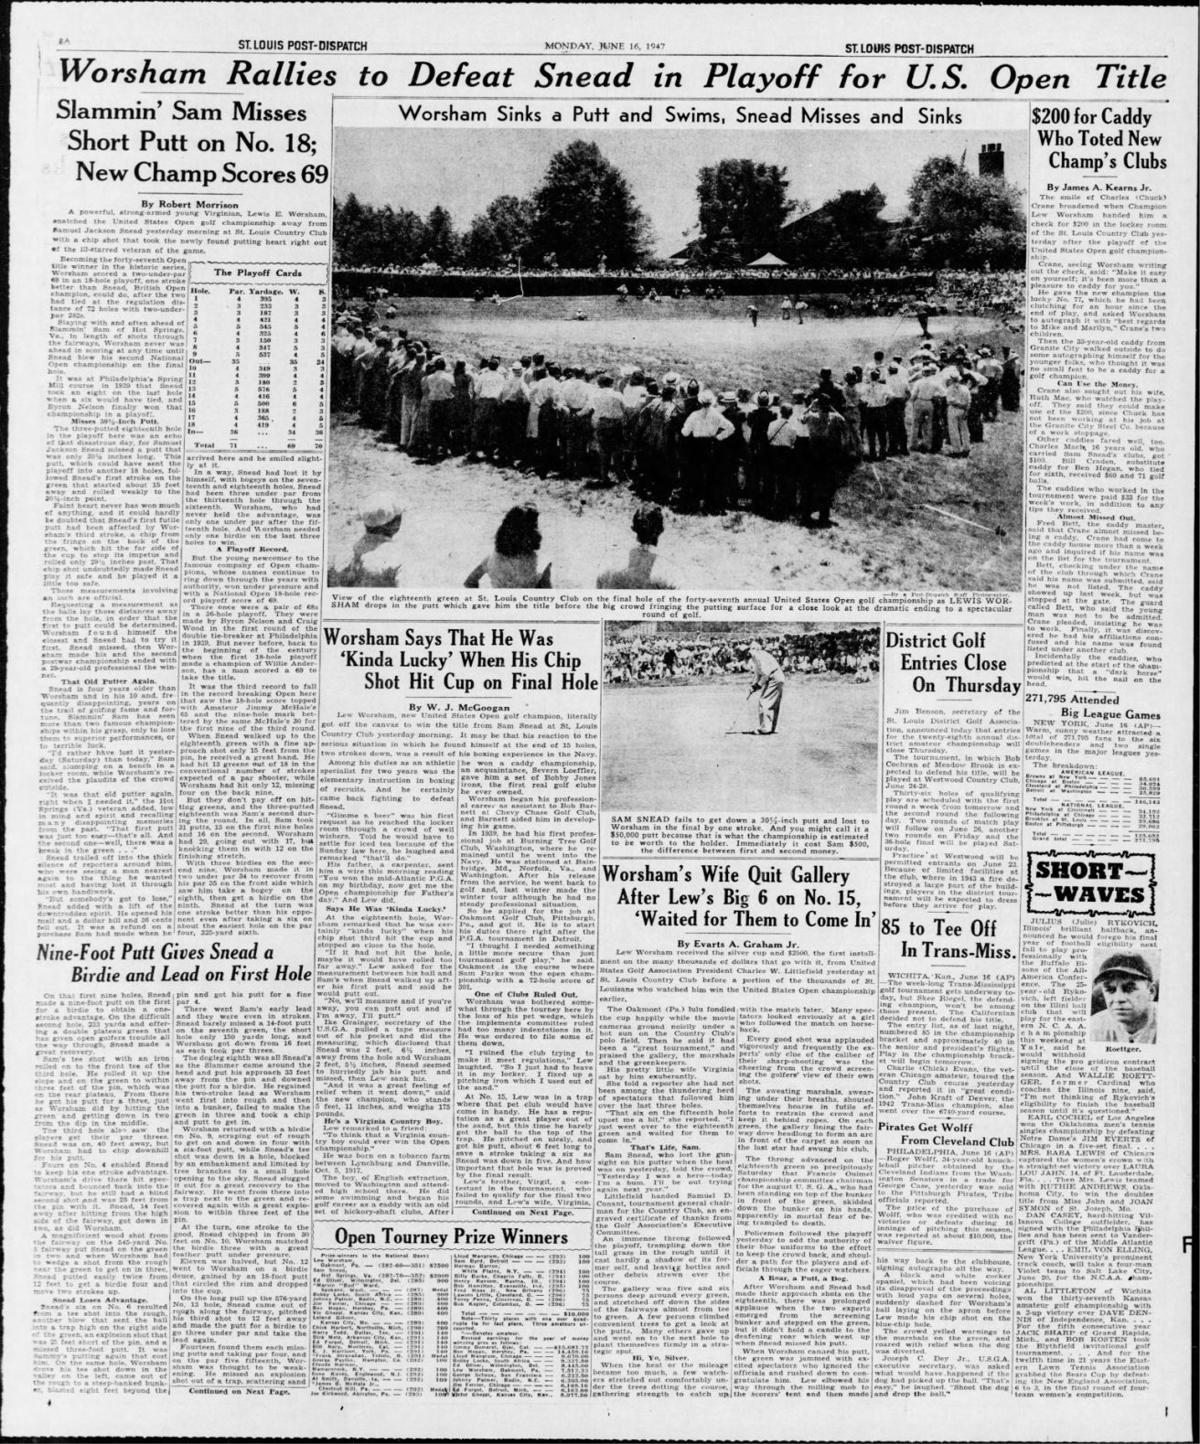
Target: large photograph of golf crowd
677, 360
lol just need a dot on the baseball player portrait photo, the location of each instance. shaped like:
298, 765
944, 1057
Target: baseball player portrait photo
1125, 997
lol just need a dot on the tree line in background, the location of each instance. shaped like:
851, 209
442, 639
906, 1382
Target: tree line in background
584, 215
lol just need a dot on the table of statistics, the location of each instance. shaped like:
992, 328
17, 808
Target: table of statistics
255, 358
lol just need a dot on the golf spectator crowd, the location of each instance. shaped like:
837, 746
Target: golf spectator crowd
688, 275
674, 440
850, 292
672, 657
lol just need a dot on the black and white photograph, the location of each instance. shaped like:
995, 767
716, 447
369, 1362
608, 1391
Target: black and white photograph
732, 717
803, 351
1124, 996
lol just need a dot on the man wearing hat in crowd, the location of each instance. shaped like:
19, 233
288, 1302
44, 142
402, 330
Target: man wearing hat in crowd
958, 403
514, 416
641, 425
633, 393
827, 386
1010, 380
897, 403
656, 443
852, 413
874, 397
489, 383
439, 391
608, 411
757, 424
1129, 989
827, 460
364, 345
730, 451
342, 365
633, 397
576, 399
541, 427
780, 494
989, 368
703, 429
691, 397
924, 391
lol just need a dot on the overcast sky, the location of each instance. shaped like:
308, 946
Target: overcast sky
465, 169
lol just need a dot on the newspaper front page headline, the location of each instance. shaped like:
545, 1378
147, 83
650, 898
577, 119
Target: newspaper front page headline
600, 709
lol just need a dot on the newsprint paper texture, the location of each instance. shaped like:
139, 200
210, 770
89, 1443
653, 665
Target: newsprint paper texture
738, 983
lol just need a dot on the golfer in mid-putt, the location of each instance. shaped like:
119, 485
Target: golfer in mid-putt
768, 683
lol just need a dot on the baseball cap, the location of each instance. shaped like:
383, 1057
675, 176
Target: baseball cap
1126, 965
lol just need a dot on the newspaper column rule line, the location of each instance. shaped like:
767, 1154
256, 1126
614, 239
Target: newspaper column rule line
1020, 939
325, 384
454, 991
315, 994
734, 1214
187, 400
453, 1066
595, 1051
171, 1207
878, 952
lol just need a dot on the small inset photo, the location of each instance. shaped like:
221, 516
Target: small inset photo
733, 717
1124, 1004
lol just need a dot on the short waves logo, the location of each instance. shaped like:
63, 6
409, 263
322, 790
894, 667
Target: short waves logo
1120, 884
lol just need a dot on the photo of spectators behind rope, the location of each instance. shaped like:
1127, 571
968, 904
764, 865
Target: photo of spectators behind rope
781, 458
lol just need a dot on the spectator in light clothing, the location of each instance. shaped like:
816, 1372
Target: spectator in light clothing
989, 368
873, 395
827, 457
768, 683
575, 397
780, 494
897, 404
925, 389
699, 483
439, 392
608, 409
485, 432
851, 410
541, 428
958, 402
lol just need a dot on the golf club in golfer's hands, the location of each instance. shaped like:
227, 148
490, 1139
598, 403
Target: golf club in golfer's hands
733, 725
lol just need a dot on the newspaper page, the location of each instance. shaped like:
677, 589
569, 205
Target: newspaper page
600, 698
